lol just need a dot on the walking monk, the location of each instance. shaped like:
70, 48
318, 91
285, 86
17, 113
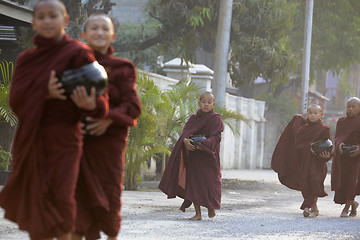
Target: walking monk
346, 167
309, 169
102, 165
40, 192
193, 170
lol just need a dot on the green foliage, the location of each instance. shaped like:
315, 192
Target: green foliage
143, 58
259, 41
5, 159
335, 41
180, 26
7, 69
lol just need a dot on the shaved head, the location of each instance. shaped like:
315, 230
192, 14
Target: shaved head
314, 106
354, 99
207, 94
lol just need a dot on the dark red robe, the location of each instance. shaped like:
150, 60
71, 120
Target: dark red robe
196, 176
283, 160
345, 170
40, 192
102, 165
312, 168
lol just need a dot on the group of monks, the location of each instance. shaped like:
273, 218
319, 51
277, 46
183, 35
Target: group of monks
64, 185
300, 168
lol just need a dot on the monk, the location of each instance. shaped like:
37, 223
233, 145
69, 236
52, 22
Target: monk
345, 168
308, 169
102, 165
193, 171
39, 194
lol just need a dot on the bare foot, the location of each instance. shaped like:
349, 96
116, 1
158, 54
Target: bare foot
354, 207
344, 213
211, 213
196, 217
314, 211
306, 212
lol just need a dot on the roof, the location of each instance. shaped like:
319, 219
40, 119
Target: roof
14, 14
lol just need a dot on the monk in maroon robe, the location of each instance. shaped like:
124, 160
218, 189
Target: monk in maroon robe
345, 168
283, 160
102, 166
193, 172
307, 168
39, 194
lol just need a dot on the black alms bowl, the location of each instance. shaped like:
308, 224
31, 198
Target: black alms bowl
197, 138
322, 146
90, 75
347, 149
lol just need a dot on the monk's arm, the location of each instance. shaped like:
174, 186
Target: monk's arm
129, 108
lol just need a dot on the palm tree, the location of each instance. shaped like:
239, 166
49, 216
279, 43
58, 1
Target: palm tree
142, 141
6, 114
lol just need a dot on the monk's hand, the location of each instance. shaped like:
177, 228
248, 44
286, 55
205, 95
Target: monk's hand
340, 148
188, 144
98, 127
325, 155
356, 152
81, 98
55, 90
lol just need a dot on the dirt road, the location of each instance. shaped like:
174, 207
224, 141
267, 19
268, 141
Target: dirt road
250, 210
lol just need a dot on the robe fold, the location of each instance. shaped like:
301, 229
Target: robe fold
312, 168
196, 176
39, 194
102, 164
283, 160
345, 176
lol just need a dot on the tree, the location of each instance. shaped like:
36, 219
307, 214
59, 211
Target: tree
335, 38
259, 41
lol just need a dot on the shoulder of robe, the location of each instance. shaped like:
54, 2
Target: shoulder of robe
76, 44
121, 62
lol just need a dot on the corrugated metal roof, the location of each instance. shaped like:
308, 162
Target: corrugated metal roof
7, 33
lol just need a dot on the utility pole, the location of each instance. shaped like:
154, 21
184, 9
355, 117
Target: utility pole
307, 54
222, 51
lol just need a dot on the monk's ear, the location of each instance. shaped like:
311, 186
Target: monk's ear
66, 20
113, 37
199, 103
82, 35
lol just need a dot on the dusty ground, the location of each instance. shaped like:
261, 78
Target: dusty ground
250, 210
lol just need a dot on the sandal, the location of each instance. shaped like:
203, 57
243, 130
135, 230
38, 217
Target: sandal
354, 207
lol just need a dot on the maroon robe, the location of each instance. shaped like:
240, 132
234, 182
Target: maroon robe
345, 170
312, 168
40, 192
196, 175
283, 160
102, 165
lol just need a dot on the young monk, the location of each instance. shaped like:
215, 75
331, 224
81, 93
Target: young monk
309, 169
39, 194
102, 165
345, 168
193, 172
